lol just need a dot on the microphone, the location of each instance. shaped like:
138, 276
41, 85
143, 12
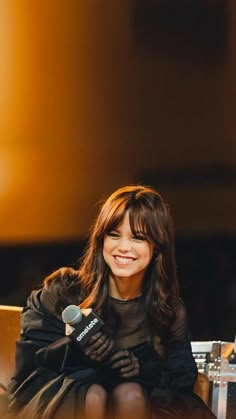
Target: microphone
81, 324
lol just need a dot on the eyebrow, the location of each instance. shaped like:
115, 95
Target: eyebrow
133, 232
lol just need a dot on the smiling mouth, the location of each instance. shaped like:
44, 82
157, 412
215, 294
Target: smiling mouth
124, 260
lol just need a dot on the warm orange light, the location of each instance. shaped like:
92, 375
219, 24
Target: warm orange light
5, 174
5, 59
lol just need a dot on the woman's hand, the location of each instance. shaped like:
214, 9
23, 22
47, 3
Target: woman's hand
126, 362
99, 346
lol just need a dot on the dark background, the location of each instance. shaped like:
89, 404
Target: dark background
99, 94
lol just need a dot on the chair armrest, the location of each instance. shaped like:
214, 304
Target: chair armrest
202, 387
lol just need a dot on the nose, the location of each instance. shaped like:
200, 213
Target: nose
124, 245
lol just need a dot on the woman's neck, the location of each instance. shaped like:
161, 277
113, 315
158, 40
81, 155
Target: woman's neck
123, 288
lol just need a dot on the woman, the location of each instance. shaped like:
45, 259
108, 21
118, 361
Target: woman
140, 363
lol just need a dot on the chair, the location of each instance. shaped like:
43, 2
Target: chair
202, 387
10, 331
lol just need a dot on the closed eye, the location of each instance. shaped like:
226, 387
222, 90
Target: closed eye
139, 237
113, 234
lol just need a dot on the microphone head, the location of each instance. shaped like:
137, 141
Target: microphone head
71, 315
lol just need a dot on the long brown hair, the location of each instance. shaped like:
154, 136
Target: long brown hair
149, 213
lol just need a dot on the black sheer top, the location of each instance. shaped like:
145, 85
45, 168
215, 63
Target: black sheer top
133, 329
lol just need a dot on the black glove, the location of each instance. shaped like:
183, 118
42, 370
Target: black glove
99, 346
126, 363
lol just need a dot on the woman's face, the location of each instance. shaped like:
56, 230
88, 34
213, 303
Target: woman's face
126, 254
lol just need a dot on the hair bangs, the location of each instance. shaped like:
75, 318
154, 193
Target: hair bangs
139, 219
112, 217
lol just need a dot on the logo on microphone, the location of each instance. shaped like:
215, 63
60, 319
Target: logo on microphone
87, 329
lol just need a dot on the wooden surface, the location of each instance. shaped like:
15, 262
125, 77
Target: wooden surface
202, 387
9, 332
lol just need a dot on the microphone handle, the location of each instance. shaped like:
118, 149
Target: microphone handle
86, 328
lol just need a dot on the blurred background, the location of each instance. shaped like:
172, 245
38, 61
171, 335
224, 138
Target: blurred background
97, 94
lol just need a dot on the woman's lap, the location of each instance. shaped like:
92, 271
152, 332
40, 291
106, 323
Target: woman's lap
67, 398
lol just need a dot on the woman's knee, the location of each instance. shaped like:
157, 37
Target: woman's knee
129, 393
96, 396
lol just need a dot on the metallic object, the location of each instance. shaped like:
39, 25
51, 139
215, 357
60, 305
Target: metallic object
217, 359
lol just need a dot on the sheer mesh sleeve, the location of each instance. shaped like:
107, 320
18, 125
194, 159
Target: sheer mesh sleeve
180, 328
181, 370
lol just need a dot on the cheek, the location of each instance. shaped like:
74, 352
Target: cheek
144, 251
150, 252
107, 256
106, 249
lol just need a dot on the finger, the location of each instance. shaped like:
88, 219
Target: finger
93, 346
93, 339
131, 370
123, 358
130, 374
131, 357
103, 349
131, 367
99, 342
105, 354
127, 369
106, 349
120, 354
125, 362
